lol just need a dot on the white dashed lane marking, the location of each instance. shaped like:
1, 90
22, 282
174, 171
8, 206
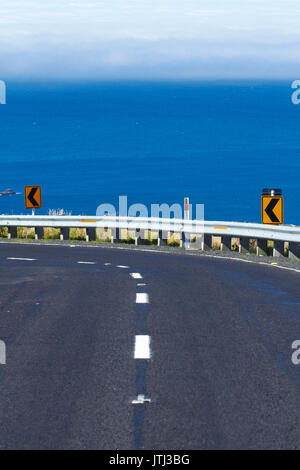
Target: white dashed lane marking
86, 262
142, 298
22, 259
140, 284
122, 267
142, 347
2, 353
107, 264
136, 275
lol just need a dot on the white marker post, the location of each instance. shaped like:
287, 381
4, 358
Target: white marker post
186, 217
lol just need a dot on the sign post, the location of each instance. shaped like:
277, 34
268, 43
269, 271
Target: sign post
186, 217
271, 206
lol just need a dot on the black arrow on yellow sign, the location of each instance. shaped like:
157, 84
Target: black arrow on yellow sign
30, 197
269, 210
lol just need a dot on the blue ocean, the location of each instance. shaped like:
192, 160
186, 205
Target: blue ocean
219, 143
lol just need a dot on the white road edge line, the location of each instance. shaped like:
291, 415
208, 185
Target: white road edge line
285, 267
142, 347
142, 298
136, 276
22, 259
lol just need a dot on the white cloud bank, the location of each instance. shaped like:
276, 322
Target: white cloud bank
149, 38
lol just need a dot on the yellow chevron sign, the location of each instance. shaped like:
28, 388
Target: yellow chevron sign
33, 197
272, 210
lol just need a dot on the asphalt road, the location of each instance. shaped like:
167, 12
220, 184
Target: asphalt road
190, 352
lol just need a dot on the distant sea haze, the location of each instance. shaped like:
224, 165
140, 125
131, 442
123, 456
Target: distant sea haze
219, 143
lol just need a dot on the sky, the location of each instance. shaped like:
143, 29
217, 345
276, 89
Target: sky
142, 39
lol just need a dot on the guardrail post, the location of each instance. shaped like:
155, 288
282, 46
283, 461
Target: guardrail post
162, 238
244, 245
64, 233
278, 249
91, 234
262, 247
206, 242
116, 235
39, 233
12, 232
140, 237
226, 243
293, 250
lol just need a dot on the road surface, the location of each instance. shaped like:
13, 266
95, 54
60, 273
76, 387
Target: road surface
128, 349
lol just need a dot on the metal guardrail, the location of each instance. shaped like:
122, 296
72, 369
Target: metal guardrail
218, 228
227, 230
